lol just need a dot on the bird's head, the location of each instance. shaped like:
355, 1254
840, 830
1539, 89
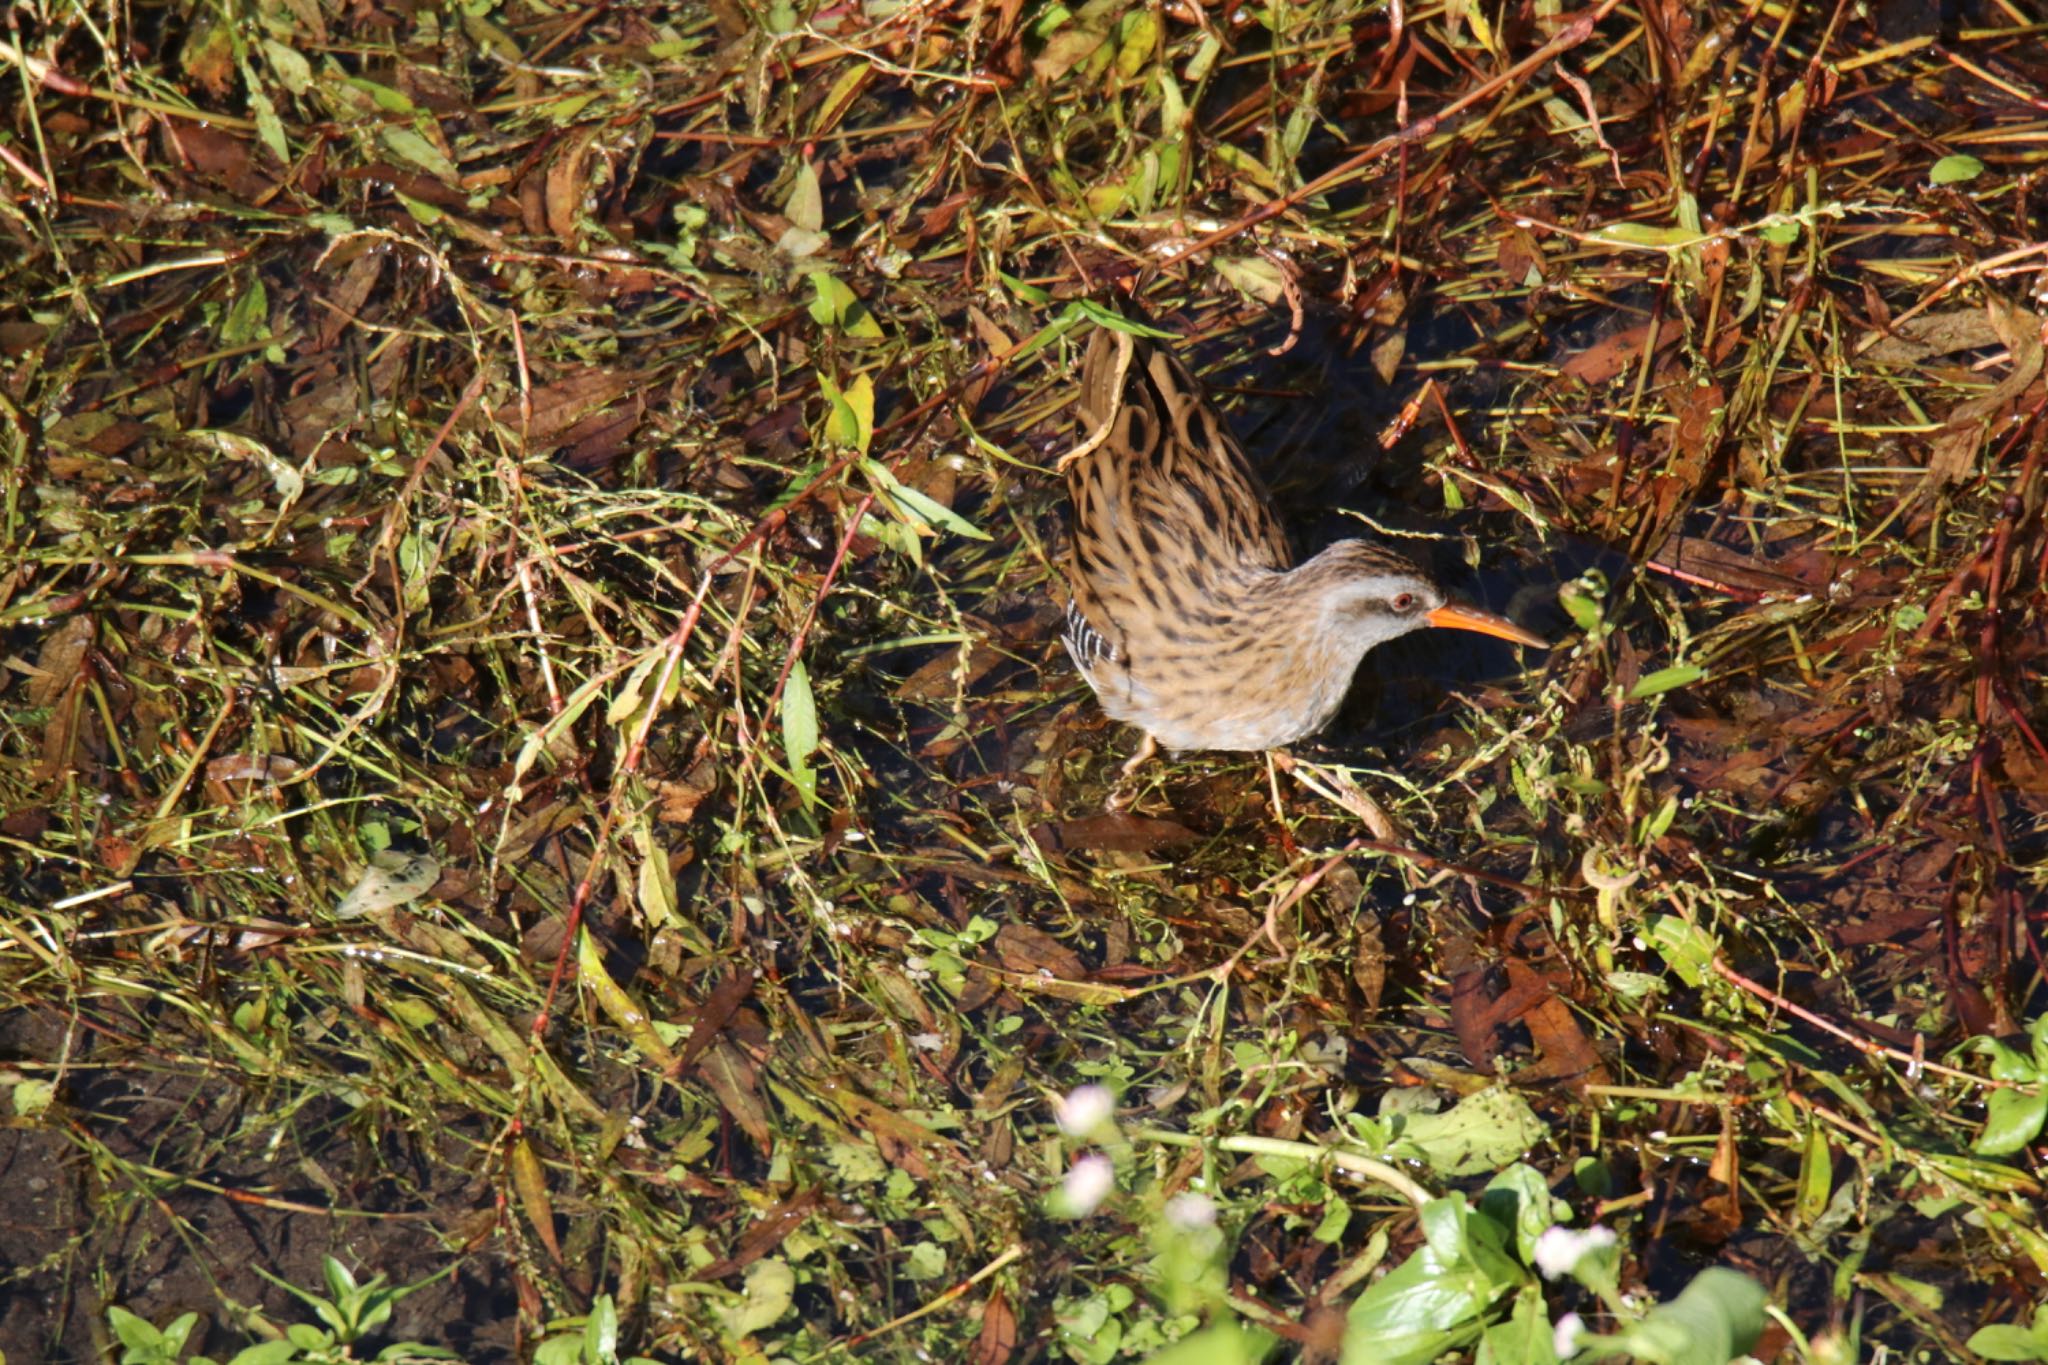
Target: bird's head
1371, 595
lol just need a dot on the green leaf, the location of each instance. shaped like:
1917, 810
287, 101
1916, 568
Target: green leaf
2012, 1119
805, 206
269, 127
1432, 1302
1666, 680
852, 420
771, 1285
2006, 1064
248, 316
601, 1330
1482, 1132
32, 1099
1644, 235
1718, 1317
800, 732
919, 505
566, 1349
1816, 1175
1582, 606
860, 398
1527, 1337
2007, 1341
1227, 1343
408, 145
137, 1334
389, 100
1026, 293
838, 306
1955, 170
1519, 1200
1685, 948
290, 67
266, 1353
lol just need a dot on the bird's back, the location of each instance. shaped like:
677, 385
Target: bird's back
1172, 533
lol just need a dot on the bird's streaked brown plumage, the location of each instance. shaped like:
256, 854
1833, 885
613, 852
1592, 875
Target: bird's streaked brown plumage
1189, 616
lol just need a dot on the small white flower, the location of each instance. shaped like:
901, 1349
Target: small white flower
1089, 1181
1190, 1212
1559, 1249
1083, 1111
1564, 1339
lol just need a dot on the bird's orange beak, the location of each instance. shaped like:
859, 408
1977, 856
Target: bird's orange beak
1457, 617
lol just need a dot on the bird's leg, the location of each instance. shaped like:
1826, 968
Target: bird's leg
1276, 760
1126, 791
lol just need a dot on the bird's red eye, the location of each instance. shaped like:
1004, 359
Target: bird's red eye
1404, 602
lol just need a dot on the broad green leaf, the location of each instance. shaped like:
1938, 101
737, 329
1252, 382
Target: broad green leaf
290, 67
835, 305
1482, 1132
805, 206
1140, 38
1432, 1302
269, 127
1227, 1343
1582, 606
1718, 1317
615, 1002
860, 402
2012, 1119
1519, 1200
408, 145
771, 1285
800, 731
1685, 948
1527, 1337
1816, 1176
920, 505
2009, 1341
248, 317
1955, 170
137, 1334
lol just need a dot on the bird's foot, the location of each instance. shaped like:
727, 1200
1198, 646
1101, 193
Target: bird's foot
1125, 792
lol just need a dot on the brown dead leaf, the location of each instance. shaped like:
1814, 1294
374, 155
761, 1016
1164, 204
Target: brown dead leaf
1614, 353
59, 662
530, 1183
343, 305
568, 186
1953, 456
938, 678
1931, 334
1029, 951
996, 1342
1065, 50
1520, 257
1113, 833
681, 796
560, 405
735, 1082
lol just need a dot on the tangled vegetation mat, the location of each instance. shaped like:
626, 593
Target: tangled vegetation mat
538, 764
